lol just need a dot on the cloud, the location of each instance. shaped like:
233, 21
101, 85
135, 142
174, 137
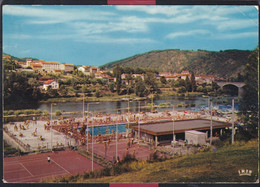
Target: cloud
166, 10
43, 15
237, 35
236, 24
18, 36
187, 33
120, 40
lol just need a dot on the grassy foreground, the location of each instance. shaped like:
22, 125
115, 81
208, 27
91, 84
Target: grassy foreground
219, 166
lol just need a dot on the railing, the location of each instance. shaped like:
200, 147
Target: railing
19, 142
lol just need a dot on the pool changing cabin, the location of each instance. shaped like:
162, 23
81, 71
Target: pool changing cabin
195, 137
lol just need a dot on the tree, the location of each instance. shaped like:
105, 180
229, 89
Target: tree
117, 72
193, 82
150, 82
140, 89
18, 93
181, 89
179, 82
163, 80
112, 87
249, 105
187, 84
129, 78
63, 91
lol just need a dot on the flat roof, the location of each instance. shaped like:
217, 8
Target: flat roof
195, 132
164, 128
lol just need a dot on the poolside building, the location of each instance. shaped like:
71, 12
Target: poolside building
162, 132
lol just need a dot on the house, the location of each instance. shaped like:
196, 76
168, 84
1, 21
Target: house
66, 67
28, 62
6, 57
36, 67
88, 70
50, 83
84, 69
206, 79
105, 77
22, 64
94, 70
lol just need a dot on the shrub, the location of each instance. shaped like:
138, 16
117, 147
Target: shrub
86, 175
17, 112
181, 89
58, 113
45, 113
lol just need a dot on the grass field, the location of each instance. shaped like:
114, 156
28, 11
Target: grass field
219, 166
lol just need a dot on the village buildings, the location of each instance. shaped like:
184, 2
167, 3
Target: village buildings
56, 67
43, 66
200, 79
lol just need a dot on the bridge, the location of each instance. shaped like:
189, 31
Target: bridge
239, 85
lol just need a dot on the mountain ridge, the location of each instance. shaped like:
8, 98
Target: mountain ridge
227, 63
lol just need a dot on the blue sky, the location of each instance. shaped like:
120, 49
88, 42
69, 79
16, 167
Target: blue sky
95, 35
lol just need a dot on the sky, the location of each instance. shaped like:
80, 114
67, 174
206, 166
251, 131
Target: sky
96, 35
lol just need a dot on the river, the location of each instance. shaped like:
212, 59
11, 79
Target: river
195, 103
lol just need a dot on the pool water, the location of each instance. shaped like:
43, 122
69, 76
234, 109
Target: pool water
102, 129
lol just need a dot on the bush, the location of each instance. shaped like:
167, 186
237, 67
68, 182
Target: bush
58, 113
45, 113
181, 89
17, 112
128, 158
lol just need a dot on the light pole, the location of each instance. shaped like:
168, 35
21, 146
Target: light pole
152, 104
92, 149
83, 107
210, 123
173, 138
127, 119
138, 132
139, 106
233, 131
92, 115
51, 122
116, 138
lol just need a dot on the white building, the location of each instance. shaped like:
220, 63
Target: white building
66, 67
50, 83
195, 137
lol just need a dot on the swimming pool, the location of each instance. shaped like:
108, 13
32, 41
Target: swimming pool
102, 129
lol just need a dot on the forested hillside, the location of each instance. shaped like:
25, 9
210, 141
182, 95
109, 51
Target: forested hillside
224, 63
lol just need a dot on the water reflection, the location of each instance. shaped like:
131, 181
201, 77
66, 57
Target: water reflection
180, 103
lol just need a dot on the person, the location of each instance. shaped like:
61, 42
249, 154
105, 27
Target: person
113, 160
49, 159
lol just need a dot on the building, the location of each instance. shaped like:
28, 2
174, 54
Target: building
50, 66
88, 70
22, 64
66, 67
6, 57
36, 67
206, 79
195, 137
162, 132
105, 77
50, 83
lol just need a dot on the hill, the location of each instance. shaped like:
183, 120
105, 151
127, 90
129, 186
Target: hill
20, 59
223, 63
219, 166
